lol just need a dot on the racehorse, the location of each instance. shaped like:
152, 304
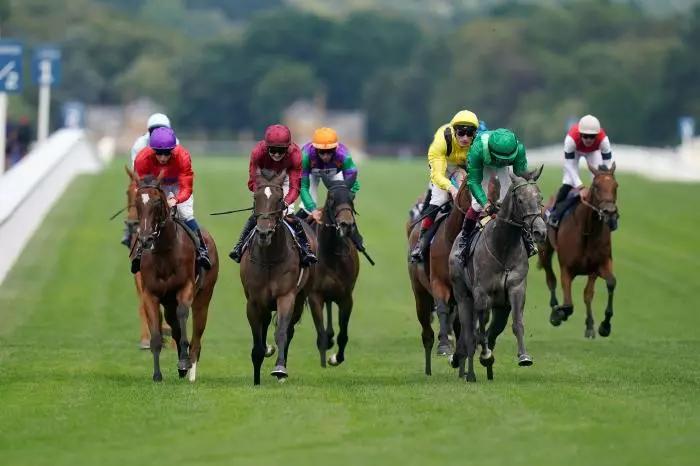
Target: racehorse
494, 278
584, 247
132, 221
170, 278
337, 269
430, 280
272, 276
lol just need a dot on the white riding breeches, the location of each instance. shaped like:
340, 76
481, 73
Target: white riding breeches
185, 209
503, 175
571, 176
314, 180
439, 196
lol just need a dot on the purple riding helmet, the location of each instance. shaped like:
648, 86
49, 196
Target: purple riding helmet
162, 138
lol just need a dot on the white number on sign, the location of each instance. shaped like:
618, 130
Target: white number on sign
12, 81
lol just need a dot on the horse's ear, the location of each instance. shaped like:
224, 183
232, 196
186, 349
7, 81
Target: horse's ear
513, 178
279, 179
593, 169
535, 174
132, 174
160, 177
326, 180
349, 183
612, 168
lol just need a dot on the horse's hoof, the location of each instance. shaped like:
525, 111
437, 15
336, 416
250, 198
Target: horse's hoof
444, 349
182, 373
280, 372
158, 377
184, 365
454, 361
470, 377
192, 373
145, 344
566, 311
604, 329
334, 361
524, 360
487, 362
269, 351
555, 318
590, 333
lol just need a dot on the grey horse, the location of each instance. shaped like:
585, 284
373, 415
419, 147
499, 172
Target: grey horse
494, 276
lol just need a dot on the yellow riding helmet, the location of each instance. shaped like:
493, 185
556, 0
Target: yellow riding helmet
325, 138
465, 117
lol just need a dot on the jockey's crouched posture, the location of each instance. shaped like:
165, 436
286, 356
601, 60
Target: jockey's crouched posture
588, 140
325, 156
447, 153
492, 153
165, 155
278, 153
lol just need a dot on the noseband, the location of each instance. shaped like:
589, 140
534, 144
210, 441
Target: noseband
271, 215
149, 240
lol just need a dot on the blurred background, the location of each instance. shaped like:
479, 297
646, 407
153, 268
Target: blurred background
385, 72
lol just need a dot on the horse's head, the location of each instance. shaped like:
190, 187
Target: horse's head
603, 193
152, 208
268, 207
464, 197
525, 206
339, 208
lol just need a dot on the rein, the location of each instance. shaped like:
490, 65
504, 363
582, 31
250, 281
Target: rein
523, 224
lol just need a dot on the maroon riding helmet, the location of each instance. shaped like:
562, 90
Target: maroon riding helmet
277, 139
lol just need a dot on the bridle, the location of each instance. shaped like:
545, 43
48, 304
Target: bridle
273, 214
603, 214
523, 224
333, 212
149, 240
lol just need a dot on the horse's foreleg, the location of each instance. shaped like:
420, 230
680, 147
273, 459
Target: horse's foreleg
588, 299
184, 301
257, 353
610, 281
344, 311
200, 312
316, 305
152, 304
329, 324
517, 304
443, 312
561, 313
284, 320
424, 309
469, 331
144, 341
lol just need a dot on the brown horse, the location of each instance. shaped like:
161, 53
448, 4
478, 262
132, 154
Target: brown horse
272, 276
583, 247
430, 281
337, 269
132, 222
170, 278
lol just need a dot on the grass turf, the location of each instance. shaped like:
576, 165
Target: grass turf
75, 390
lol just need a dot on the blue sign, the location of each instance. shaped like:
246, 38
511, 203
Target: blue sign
10, 66
73, 115
46, 65
686, 128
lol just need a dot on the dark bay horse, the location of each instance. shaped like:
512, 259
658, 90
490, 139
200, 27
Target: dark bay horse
430, 280
169, 277
337, 269
583, 246
494, 279
272, 276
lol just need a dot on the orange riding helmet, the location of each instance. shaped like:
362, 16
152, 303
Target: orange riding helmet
325, 138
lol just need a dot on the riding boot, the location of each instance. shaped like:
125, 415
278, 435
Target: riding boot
307, 256
202, 252
237, 252
126, 239
136, 260
559, 206
467, 227
530, 245
417, 251
357, 239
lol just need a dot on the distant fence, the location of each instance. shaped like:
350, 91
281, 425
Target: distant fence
30, 188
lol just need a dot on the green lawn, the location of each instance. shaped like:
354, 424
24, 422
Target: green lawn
74, 389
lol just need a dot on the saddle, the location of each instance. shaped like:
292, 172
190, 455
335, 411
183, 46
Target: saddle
569, 204
473, 238
189, 232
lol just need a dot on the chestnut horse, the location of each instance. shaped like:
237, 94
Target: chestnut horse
430, 280
584, 247
170, 278
272, 276
337, 269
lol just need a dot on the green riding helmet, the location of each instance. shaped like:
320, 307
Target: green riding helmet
503, 145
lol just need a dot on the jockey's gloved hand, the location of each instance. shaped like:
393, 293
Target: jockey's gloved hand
490, 209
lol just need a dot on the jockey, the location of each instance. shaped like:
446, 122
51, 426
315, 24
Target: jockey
325, 156
157, 120
585, 139
491, 154
447, 153
164, 154
278, 153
